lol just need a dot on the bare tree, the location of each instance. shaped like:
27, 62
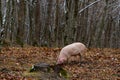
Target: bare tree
55, 23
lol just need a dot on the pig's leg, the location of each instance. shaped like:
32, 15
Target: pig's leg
80, 60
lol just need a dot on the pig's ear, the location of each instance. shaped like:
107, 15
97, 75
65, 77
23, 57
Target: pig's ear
60, 61
63, 60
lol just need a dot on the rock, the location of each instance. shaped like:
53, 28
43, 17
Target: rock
40, 67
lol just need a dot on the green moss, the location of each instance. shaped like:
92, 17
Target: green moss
64, 73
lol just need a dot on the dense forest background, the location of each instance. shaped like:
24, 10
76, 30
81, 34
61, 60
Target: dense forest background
55, 23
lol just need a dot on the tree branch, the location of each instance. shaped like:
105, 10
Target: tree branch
88, 6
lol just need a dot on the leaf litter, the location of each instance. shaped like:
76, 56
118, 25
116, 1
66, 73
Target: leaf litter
97, 64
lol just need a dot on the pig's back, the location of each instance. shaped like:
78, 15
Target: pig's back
82, 48
73, 48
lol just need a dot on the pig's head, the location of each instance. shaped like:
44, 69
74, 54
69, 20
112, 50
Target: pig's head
61, 60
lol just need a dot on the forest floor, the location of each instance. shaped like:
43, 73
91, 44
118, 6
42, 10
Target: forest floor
97, 64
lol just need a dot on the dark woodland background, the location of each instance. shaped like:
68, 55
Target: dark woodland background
55, 23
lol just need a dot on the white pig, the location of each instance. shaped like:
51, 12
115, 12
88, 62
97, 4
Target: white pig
68, 51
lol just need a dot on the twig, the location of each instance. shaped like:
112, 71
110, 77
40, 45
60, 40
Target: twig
88, 6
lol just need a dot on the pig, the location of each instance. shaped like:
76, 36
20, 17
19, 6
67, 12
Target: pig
70, 50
